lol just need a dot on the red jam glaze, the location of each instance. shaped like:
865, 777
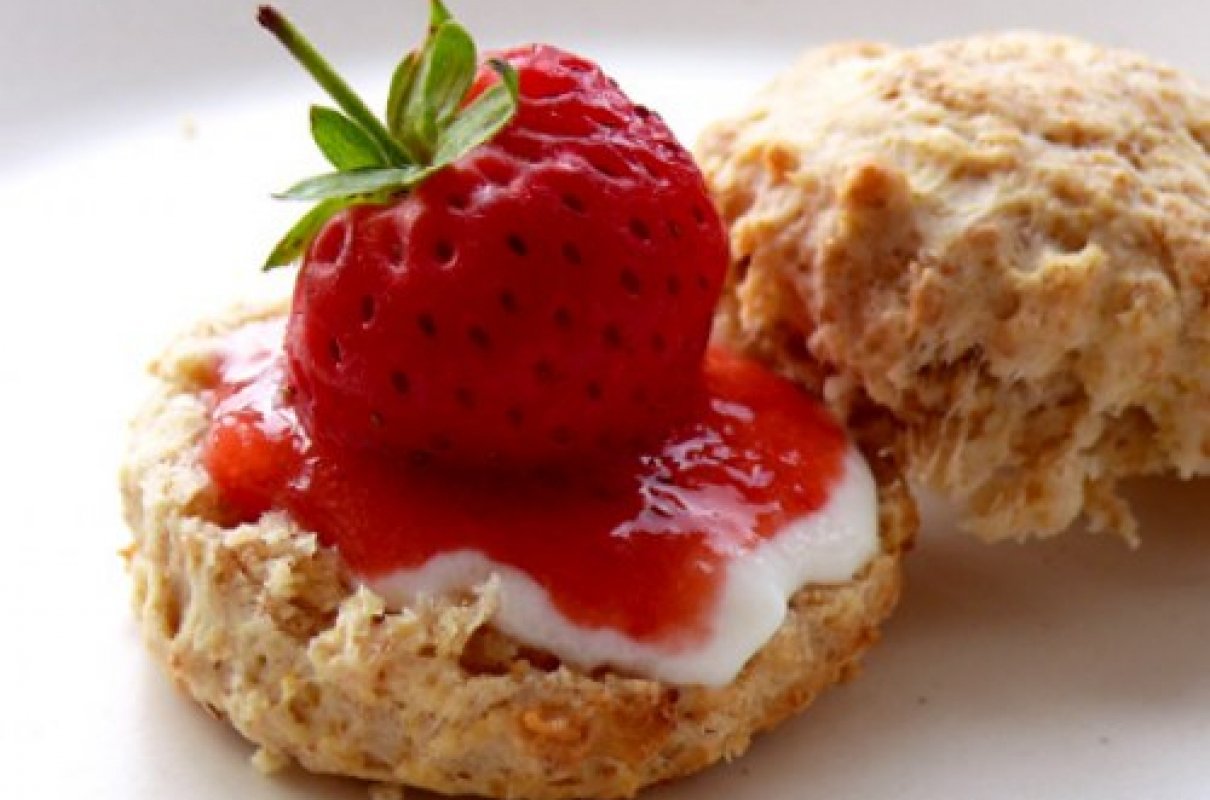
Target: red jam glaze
638, 545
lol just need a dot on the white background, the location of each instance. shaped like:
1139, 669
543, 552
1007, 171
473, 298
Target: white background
138, 143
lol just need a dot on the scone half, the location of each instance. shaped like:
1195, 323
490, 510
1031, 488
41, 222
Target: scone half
1002, 244
264, 626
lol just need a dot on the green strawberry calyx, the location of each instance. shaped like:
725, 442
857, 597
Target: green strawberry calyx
428, 123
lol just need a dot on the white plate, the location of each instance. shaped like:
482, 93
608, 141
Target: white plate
138, 143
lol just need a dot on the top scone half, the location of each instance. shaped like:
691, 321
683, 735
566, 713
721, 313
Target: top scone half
481, 510
1000, 247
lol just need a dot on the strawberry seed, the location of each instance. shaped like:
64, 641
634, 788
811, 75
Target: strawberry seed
631, 283
517, 245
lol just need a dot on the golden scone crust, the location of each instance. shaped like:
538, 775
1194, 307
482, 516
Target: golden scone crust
1003, 243
263, 626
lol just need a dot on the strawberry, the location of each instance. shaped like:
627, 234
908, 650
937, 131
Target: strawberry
540, 292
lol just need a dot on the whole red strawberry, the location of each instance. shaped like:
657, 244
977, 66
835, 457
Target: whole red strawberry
545, 294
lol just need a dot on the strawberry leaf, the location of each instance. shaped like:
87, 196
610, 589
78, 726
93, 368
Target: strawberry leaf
292, 245
401, 90
438, 14
445, 70
451, 71
399, 99
343, 142
356, 182
482, 119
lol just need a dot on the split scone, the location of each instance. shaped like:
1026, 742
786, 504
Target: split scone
268, 629
1002, 245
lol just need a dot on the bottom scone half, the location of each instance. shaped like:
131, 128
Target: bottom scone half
265, 627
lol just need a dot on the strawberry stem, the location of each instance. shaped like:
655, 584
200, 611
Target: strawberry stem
305, 53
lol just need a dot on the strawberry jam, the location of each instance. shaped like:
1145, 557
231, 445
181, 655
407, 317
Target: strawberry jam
637, 546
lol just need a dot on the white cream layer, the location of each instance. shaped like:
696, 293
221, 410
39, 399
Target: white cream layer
828, 546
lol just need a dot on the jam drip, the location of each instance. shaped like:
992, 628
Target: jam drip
639, 545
